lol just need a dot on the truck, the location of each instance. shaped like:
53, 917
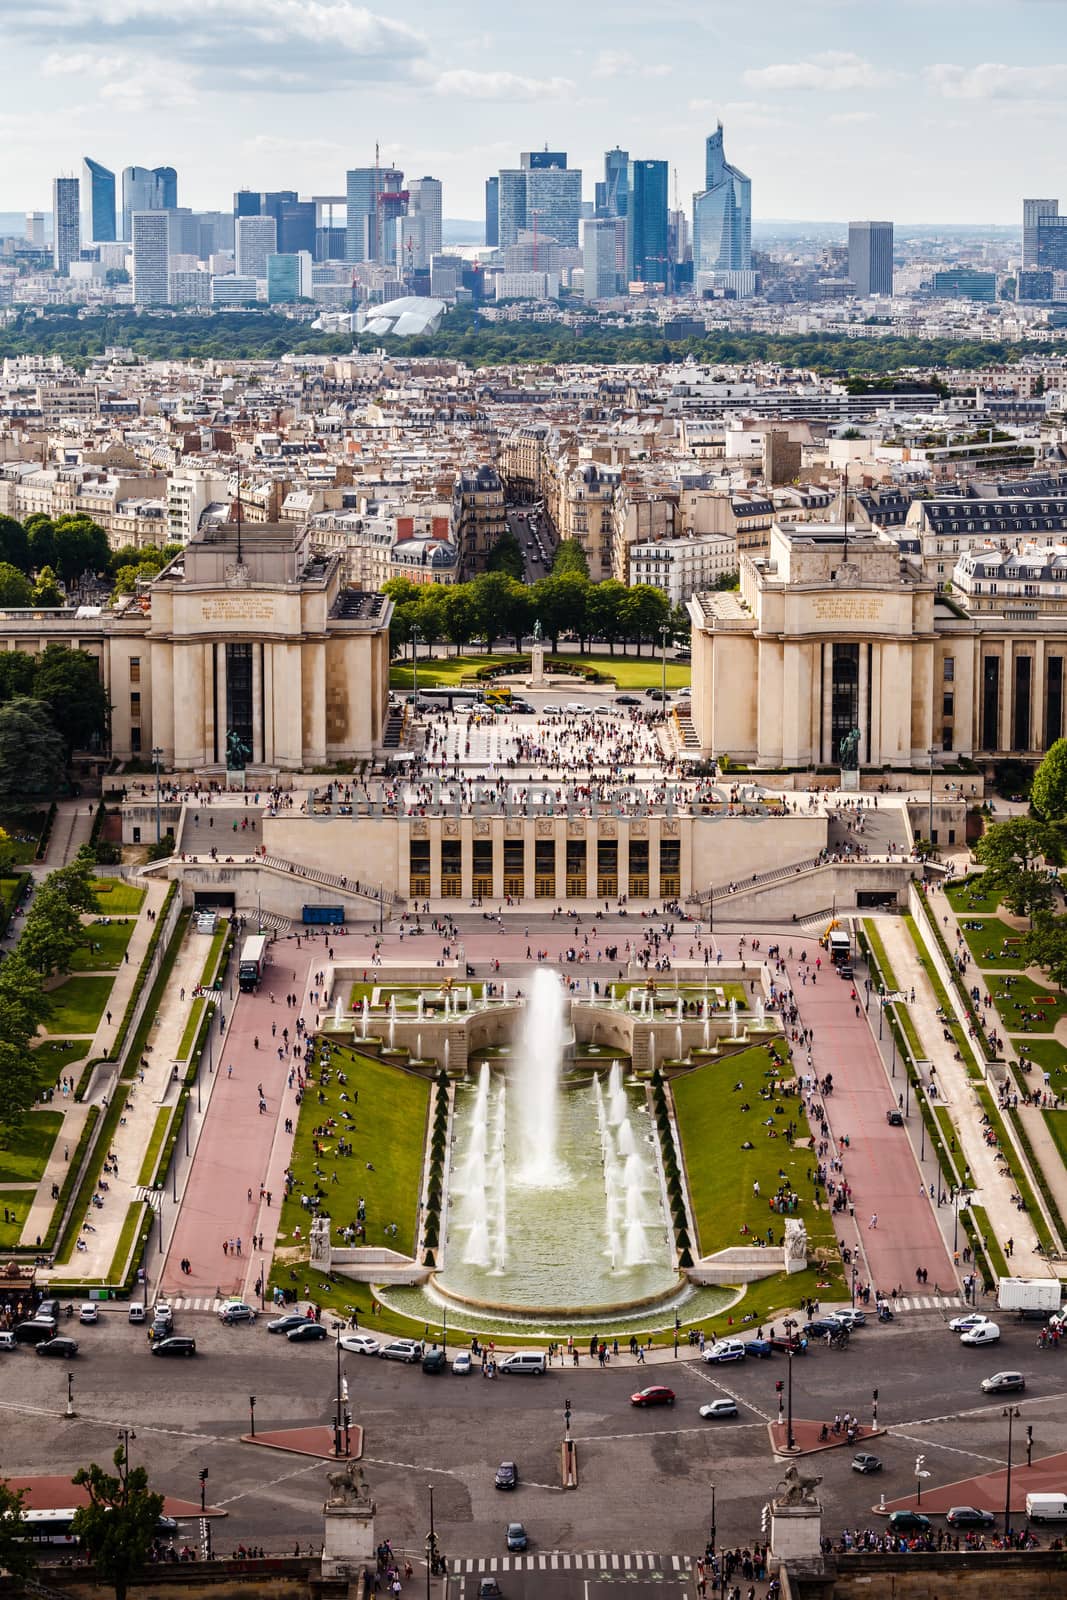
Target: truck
253, 962
1033, 1296
320, 916
839, 944
1046, 1507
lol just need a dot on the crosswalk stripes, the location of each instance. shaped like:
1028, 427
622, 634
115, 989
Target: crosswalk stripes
572, 1561
204, 1302
931, 1302
151, 1196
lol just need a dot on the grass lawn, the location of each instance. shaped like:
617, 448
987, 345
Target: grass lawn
25, 832
211, 959
388, 1128
26, 1153
51, 1058
9, 888
721, 1174
118, 899
1027, 1007
629, 672
16, 1205
1056, 1122
196, 1012
689, 991
994, 944
155, 1145
407, 994
78, 1004
105, 947
1047, 1054
971, 896
989, 1242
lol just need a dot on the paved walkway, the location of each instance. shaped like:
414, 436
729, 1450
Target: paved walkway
72, 827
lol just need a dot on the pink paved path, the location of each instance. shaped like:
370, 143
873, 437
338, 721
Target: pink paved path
240, 1148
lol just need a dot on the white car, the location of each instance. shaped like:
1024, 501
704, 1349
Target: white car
360, 1344
984, 1333
88, 1312
719, 1408
461, 1364
973, 1319
849, 1317
237, 1311
725, 1350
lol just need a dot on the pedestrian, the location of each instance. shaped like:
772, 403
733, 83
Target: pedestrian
874, 1220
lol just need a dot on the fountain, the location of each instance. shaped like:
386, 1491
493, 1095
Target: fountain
337, 1010
652, 1047
392, 1007
418, 1046
678, 1009
470, 997
707, 1031
419, 1005
364, 1017
733, 1020
392, 1033
445, 1054
760, 1013
536, 1081
678, 1042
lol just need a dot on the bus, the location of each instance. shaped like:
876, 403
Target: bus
253, 962
54, 1527
448, 699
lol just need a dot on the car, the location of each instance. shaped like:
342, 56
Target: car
971, 1320
895, 1118
89, 1312
175, 1345
657, 1394
789, 1342
237, 1311
401, 1350
35, 1331
819, 1327
656, 694
725, 1350
1003, 1383
461, 1364
523, 707
849, 1317
866, 1463
969, 1517
307, 1332
515, 1534
434, 1360
160, 1329
162, 1311
719, 1408
759, 1349
627, 700
283, 1324
489, 1589
62, 1349
551, 711
909, 1522
359, 1344
7, 1339
984, 1333
507, 1475
136, 1311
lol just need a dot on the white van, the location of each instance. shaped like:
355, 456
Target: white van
532, 1361
982, 1333
137, 1311
1046, 1507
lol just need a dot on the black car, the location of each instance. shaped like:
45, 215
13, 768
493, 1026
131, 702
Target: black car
35, 1331
819, 1327
969, 1517
176, 1345
507, 1475
283, 1324
306, 1332
62, 1349
48, 1308
627, 700
895, 1118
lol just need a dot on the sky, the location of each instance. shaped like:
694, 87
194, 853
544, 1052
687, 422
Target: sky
918, 110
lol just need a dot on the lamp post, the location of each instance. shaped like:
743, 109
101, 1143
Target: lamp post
664, 635
70, 1411
930, 812
922, 1130
252, 1413
337, 1411
157, 757
431, 1547
1011, 1412
881, 1013
920, 1474
416, 639
711, 1540
790, 1442
125, 1434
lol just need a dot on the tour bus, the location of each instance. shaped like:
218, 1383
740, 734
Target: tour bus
53, 1527
253, 961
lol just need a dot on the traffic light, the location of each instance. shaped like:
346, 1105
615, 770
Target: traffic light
1029, 1443
779, 1386
203, 1474
874, 1396
765, 1521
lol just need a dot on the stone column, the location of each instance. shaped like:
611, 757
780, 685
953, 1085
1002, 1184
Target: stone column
348, 1543
220, 700
796, 1533
314, 731
268, 705
826, 739
257, 701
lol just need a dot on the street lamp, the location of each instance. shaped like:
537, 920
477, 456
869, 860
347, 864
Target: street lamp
790, 1442
252, 1413
125, 1434
1011, 1412
157, 757
664, 635
337, 1410
416, 640
920, 1474
431, 1547
933, 751
711, 1540
70, 1412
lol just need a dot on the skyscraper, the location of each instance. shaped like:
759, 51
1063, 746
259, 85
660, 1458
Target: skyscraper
66, 235
611, 194
492, 212
376, 197
722, 214
511, 215
147, 189
539, 160
98, 202
646, 222
870, 257
1034, 212
425, 202
601, 278
554, 202
151, 257
256, 239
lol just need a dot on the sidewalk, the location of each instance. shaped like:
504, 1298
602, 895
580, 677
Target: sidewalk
72, 827
126, 974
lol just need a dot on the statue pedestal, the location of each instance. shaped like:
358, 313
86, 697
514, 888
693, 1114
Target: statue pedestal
850, 778
348, 1543
796, 1245
537, 666
796, 1534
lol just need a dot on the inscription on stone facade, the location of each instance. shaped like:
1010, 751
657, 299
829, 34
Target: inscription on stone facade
848, 608
239, 608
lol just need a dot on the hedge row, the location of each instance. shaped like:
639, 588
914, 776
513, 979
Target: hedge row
431, 1228
671, 1171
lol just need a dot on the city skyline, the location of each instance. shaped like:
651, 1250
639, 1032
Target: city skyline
254, 96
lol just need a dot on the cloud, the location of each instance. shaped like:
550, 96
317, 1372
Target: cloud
739, 113
470, 85
831, 72
149, 86
621, 64
82, 64
843, 119
992, 80
272, 44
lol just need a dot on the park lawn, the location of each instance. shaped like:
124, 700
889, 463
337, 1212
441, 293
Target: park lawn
388, 1130
628, 672
105, 946
25, 1155
51, 1058
1022, 994
1056, 1122
986, 943
77, 1005
117, 899
211, 960
1049, 1056
721, 1174
690, 991
407, 994
17, 1204
9, 889
196, 1012
970, 895
147, 1174
989, 1242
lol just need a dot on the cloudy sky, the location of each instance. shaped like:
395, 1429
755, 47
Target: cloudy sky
921, 110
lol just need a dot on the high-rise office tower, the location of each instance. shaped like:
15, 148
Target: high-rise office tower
511, 216
492, 212
98, 202
66, 223
256, 239
722, 214
425, 201
543, 196
288, 278
296, 221
35, 229
611, 194
376, 198
247, 203
646, 222
151, 257
147, 189
601, 278
539, 160
1034, 213
870, 257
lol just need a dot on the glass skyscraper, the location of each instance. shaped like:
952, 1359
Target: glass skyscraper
98, 202
147, 189
646, 222
66, 238
870, 257
492, 212
722, 214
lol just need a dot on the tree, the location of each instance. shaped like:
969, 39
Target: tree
41, 535
16, 674
570, 557
24, 1005
7, 852
46, 591
506, 556
32, 757
643, 612
80, 546
1048, 795
603, 610
458, 615
1045, 946
68, 681
16, 1554
1012, 852
15, 588
14, 545
52, 933
118, 1525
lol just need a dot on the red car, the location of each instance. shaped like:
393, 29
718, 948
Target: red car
657, 1395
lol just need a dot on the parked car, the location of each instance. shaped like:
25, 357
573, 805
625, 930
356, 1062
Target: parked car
359, 1344
983, 1333
819, 1327
136, 1311
725, 1350
176, 1345
88, 1312
866, 1463
62, 1349
48, 1308
516, 1536
1003, 1383
35, 1331
434, 1360
849, 1317
489, 1589
507, 1475
716, 1409
461, 1364
307, 1333
282, 1324
657, 1394
969, 1517
401, 1350
759, 1349
237, 1311
784, 1342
